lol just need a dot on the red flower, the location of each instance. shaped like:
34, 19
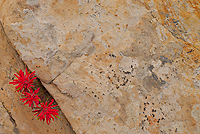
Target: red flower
31, 97
46, 111
23, 81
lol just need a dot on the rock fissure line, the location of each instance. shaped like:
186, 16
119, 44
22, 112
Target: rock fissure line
59, 73
172, 33
68, 95
8, 40
92, 38
10, 115
12, 120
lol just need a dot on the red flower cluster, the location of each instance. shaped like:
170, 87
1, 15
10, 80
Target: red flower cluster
25, 86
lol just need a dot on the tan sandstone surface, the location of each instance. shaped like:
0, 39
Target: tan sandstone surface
113, 66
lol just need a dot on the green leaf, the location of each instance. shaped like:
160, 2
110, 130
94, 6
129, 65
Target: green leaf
18, 89
57, 116
16, 71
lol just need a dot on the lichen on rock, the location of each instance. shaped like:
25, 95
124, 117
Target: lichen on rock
118, 66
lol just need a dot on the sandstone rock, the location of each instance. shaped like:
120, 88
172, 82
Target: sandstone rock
127, 66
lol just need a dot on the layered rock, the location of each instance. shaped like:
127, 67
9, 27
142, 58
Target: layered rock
127, 66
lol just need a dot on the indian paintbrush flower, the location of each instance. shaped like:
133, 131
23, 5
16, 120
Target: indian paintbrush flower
23, 81
31, 98
45, 111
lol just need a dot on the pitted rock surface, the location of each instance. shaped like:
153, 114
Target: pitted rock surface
123, 66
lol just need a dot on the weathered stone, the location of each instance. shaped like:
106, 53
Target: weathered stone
127, 66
